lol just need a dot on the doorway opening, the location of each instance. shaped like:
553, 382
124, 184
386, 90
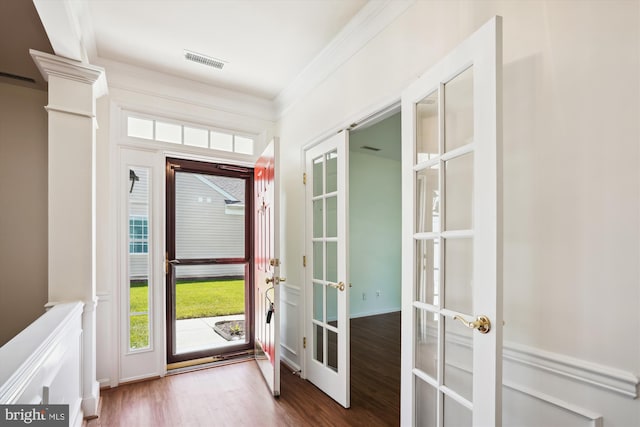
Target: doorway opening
209, 262
375, 265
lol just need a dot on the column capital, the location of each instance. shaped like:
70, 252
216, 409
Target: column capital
52, 65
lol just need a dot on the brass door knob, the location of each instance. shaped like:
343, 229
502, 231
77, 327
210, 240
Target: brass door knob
338, 286
482, 323
275, 280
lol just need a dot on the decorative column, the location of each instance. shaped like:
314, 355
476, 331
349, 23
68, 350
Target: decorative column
73, 89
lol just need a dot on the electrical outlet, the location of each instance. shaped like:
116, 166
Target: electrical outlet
378, 293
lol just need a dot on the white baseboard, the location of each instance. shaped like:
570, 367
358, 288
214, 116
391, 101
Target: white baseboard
374, 312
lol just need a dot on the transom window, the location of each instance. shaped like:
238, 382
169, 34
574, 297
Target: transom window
194, 136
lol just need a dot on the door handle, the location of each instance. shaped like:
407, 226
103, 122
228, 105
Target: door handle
339, 286
167, 261
482, 323
275, 280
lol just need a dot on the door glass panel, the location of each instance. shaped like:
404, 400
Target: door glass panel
209, 306
456, 415
318, 339
332, 172
428, 200
458, 107
425, 404
426, 344
458, 289
317, 302
332, 262
139, 256
209, 216
318, 178
318, 219
458, 358
332, 350
459, 192
427, 128
332, 306
428, 271
318, 265
332, 216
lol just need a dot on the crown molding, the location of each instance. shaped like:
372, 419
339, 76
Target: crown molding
374, 17
53, 65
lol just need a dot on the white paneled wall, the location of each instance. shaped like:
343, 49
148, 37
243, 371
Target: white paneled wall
43, 364
291, 308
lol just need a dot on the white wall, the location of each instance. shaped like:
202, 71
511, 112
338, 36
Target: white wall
374, 224
23, 218
571, 175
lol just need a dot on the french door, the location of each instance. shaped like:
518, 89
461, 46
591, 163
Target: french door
452, 290
209, 259
267, 267
326, 274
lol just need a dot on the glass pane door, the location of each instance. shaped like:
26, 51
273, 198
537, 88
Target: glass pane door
450, 222
326, 273
208, 270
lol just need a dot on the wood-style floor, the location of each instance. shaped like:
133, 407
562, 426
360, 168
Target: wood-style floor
236, 395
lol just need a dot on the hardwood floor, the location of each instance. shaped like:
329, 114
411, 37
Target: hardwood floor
236, 395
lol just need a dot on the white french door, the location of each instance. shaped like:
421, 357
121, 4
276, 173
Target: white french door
452, 290
267, 269
326, 273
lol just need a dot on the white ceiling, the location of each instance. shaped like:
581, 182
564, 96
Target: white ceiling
267, 43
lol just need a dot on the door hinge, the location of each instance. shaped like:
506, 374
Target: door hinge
274, 262
304, 178
304, 342
304, 260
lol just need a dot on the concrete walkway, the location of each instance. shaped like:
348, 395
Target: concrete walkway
198, 334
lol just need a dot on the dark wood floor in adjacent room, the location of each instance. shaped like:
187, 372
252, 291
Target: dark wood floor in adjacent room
236, 395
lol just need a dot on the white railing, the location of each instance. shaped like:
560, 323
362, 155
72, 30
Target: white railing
43, 364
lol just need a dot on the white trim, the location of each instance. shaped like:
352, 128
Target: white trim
376, 312
373, 18
601, 376
68, 69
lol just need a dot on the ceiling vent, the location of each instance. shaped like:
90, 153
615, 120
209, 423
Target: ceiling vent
204, 60
366, 147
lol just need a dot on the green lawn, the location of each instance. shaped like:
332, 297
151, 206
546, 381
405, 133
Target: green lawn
194, 299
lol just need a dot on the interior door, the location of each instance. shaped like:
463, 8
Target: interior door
327, 292
267, 265
451, 202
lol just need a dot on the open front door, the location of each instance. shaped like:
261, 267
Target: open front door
267, 266
451, 227
326, 278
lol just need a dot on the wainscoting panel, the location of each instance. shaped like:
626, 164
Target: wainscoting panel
290, 321
43, 365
